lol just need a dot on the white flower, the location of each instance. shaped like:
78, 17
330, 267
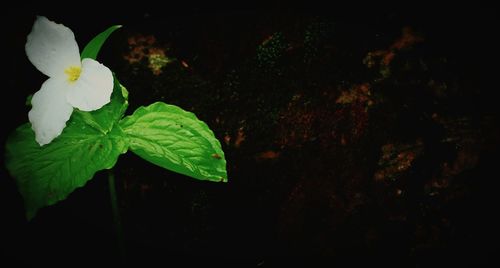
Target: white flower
84, 84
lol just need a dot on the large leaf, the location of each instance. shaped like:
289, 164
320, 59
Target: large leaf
92, 48
90, 142
48, 174
176, 140
105, 118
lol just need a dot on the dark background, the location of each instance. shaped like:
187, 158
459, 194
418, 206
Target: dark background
301, 205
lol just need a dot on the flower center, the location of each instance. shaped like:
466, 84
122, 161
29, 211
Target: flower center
73, 73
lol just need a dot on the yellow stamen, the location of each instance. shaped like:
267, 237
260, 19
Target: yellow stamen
73, 73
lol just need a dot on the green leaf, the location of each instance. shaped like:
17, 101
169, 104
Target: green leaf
105, 118
92, 48
48, 174
90, 142
176, 140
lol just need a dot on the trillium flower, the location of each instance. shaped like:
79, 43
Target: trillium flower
84, 84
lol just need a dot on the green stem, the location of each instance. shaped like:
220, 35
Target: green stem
116, 214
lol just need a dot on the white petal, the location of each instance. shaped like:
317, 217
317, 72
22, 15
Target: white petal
52, 47
50, 110
93, 88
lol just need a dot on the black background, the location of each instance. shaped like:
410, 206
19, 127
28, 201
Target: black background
241, 227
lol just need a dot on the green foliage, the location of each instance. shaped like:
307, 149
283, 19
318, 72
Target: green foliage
176, 140
48, 174
163, 134
94, 46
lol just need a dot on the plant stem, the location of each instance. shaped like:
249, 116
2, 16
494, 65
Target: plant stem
116, 214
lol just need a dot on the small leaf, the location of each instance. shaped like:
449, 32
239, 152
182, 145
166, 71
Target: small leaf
92, 48
176, 140
48, 174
